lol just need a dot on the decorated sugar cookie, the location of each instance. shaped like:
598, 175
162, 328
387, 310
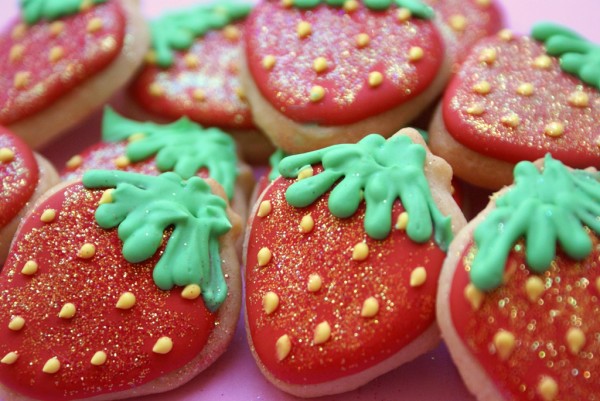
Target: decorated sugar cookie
517, 98
518, 292
63, 59
342, 263
123, 285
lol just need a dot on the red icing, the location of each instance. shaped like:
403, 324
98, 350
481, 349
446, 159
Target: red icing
486, 133
216, 75
19, 177
271, 30
85, 54
356, 342
540, 328
94, 286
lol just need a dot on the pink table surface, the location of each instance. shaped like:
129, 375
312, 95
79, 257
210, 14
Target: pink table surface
235, 376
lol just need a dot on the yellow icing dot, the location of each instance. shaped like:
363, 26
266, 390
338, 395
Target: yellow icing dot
19, 31
74, 162
48, 216
506, 35
268, 62
51, 366
370, 307
534, 287
264, 208
106, 196
504, 341
99, 358
10, 358
240, 93
86, 5
150, 57
56, 28
307, 172
232, 33
6, 155
191, 60
317, 93
403, 14
402, 221
16, 53
458, 22
476, 109
122, 162
542, 62
21, 79
29, 268
482, 87
547, 388
511, 120
362, 40
155, 89
198, 95
67, 311
163, 345
287, 3
283, 346
322, 333
126, 301
94, 25
488, 55
375, 79
87, 251
474, 296
525, 89
350, 6
418, 277
191, 291
270, 302
483, 3
303, 29
55, 54
315, 282
579, 99
554, 129
320, 65
16, 323
264, 256
575, 340
307, 224
360, 251
415, 53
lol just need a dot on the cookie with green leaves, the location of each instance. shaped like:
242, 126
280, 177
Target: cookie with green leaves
117, 286
517, 303
343, 254
64, 59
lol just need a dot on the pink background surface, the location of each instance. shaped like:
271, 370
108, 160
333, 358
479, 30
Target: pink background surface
235, 376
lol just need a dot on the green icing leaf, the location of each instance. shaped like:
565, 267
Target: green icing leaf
274, 160
178, 30
384, 171
183, 147
544, 208
417, 7
143, 207
36, 10
577, 55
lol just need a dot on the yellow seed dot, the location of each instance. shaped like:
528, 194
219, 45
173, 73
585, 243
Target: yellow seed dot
305, 173
19, 31
264, 256
320, 65
287, 3
303, 29
360, 251
525, 89
99, 358
240, 93
488, 55
74, 162
155, 89
191, 60
51, 366
122, 162
264, 209
554, 129
55, 54
56, 28
504, 341
68, 311
307, 224
86, 5
579, 99
403, 14
315, 282
418, 277
21, 79
322, 333
48, 216
163, 345
476, 109
283, 346
547, 388
511, 120
191, 291
458, 22
270, 302
16, 323
575, 340
150, 57
542, 62
362, 40
10, 358
534, 287
94, 25
6, 155
350, 6
474, 296
506, 35
232, 33
29, 268
87, 251
126, 301
268, 62
375, 79
370, 307
107, 196
482, 87
16, 53
415, 53
317, 93
402, 221
484, 3
199, 95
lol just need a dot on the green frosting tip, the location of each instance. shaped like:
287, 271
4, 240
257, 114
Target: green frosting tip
34, 11
417, 7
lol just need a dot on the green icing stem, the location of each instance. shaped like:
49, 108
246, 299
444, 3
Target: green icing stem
183, 147
143, 207
417, 7
178, 30
36, 10
384, 171
544, 208
578, 56
274, 161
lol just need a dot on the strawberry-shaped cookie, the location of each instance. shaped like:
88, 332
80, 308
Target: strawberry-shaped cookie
24, 177
62, 59
183, 147
518, 297
123, 285
192, 70
517, 98
341, 290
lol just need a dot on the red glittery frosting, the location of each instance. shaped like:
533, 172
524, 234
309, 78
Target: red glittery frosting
541, 350
45, 61
94, 286
512, 102
356, 342
202, 84
272, 31
19, 176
